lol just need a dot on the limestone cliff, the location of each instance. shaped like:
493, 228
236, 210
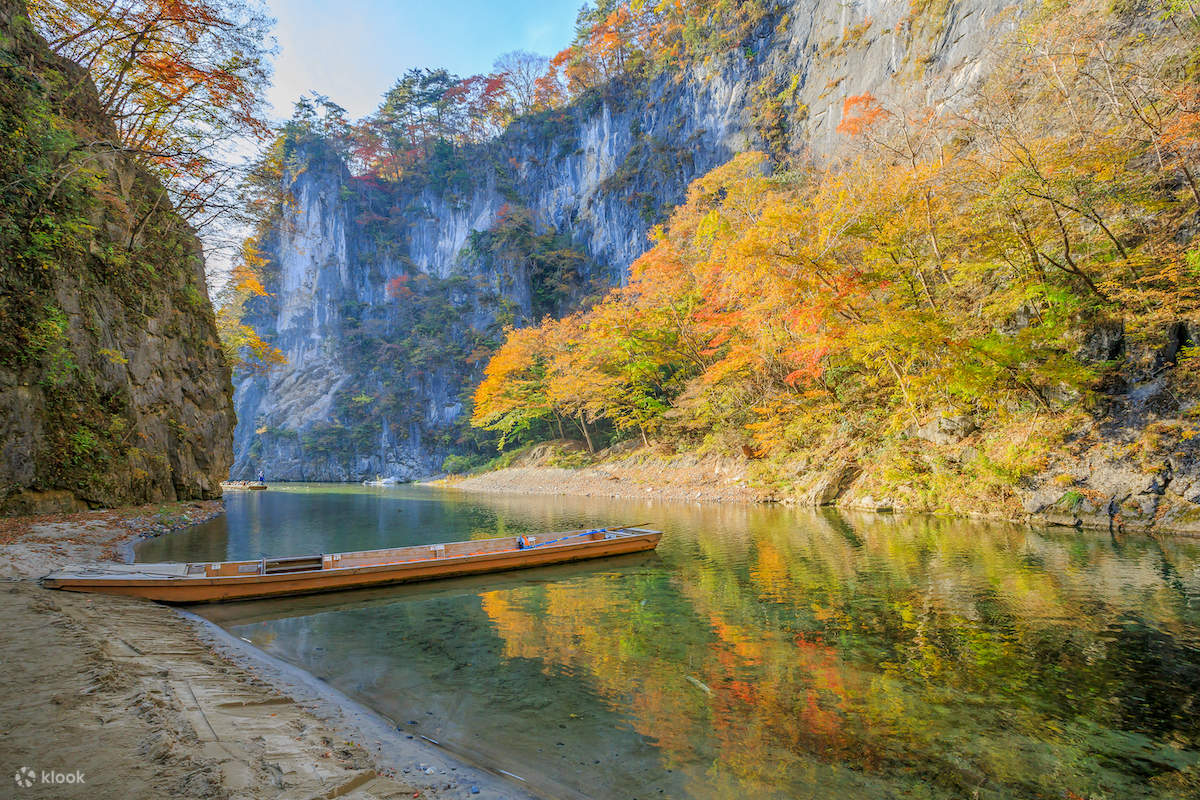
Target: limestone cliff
113, 388
382, 293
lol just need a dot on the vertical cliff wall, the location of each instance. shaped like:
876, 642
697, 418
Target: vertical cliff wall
113, 388
383, 295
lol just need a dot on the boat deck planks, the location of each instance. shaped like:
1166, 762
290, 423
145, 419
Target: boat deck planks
275, 577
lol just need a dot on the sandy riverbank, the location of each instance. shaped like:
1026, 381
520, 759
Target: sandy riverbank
683, 477
144, 702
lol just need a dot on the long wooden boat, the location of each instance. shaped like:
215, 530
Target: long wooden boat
238, 486
273, 577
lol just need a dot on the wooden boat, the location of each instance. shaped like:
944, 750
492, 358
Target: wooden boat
236, 486
274, 577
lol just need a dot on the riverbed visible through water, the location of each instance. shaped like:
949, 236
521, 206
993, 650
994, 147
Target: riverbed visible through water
761, 652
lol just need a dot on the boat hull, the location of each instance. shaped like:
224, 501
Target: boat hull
217, 589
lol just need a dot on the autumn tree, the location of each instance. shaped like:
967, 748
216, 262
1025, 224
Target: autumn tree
945, 263
519, 73
245, 350
512, 397
181, 80
642, 38
428, 113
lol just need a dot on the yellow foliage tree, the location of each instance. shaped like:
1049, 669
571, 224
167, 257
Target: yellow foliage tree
948, 263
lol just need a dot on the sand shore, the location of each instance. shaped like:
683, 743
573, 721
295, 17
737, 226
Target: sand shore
110, 697
684, 477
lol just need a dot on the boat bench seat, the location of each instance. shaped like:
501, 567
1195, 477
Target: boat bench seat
294, 564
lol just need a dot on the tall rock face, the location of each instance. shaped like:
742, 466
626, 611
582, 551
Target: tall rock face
384, 295
113, 388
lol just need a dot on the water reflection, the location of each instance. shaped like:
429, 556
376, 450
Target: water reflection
762, 652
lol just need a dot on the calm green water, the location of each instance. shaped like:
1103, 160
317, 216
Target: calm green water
760, 653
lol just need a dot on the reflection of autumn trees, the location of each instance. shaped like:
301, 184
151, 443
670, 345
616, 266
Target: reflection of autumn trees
602, 626
919, 652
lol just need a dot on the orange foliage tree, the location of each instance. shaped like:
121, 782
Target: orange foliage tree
951, 262
643, 37
245, 350
179, 78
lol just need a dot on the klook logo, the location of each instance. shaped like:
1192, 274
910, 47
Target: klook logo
27, 777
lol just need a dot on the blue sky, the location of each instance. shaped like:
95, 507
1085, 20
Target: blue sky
352, 50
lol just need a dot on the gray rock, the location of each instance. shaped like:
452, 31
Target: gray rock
1104, 342
830, 485
946, 429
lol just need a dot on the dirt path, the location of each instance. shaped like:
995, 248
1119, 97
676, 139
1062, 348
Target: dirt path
135, 701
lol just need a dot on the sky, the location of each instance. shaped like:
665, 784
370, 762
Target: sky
353, 50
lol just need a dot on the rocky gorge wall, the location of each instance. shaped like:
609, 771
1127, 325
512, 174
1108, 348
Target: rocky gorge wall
382, 296
113, 388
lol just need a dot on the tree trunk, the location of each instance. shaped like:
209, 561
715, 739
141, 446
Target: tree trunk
587, 437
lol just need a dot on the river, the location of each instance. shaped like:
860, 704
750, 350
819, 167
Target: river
761, 652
